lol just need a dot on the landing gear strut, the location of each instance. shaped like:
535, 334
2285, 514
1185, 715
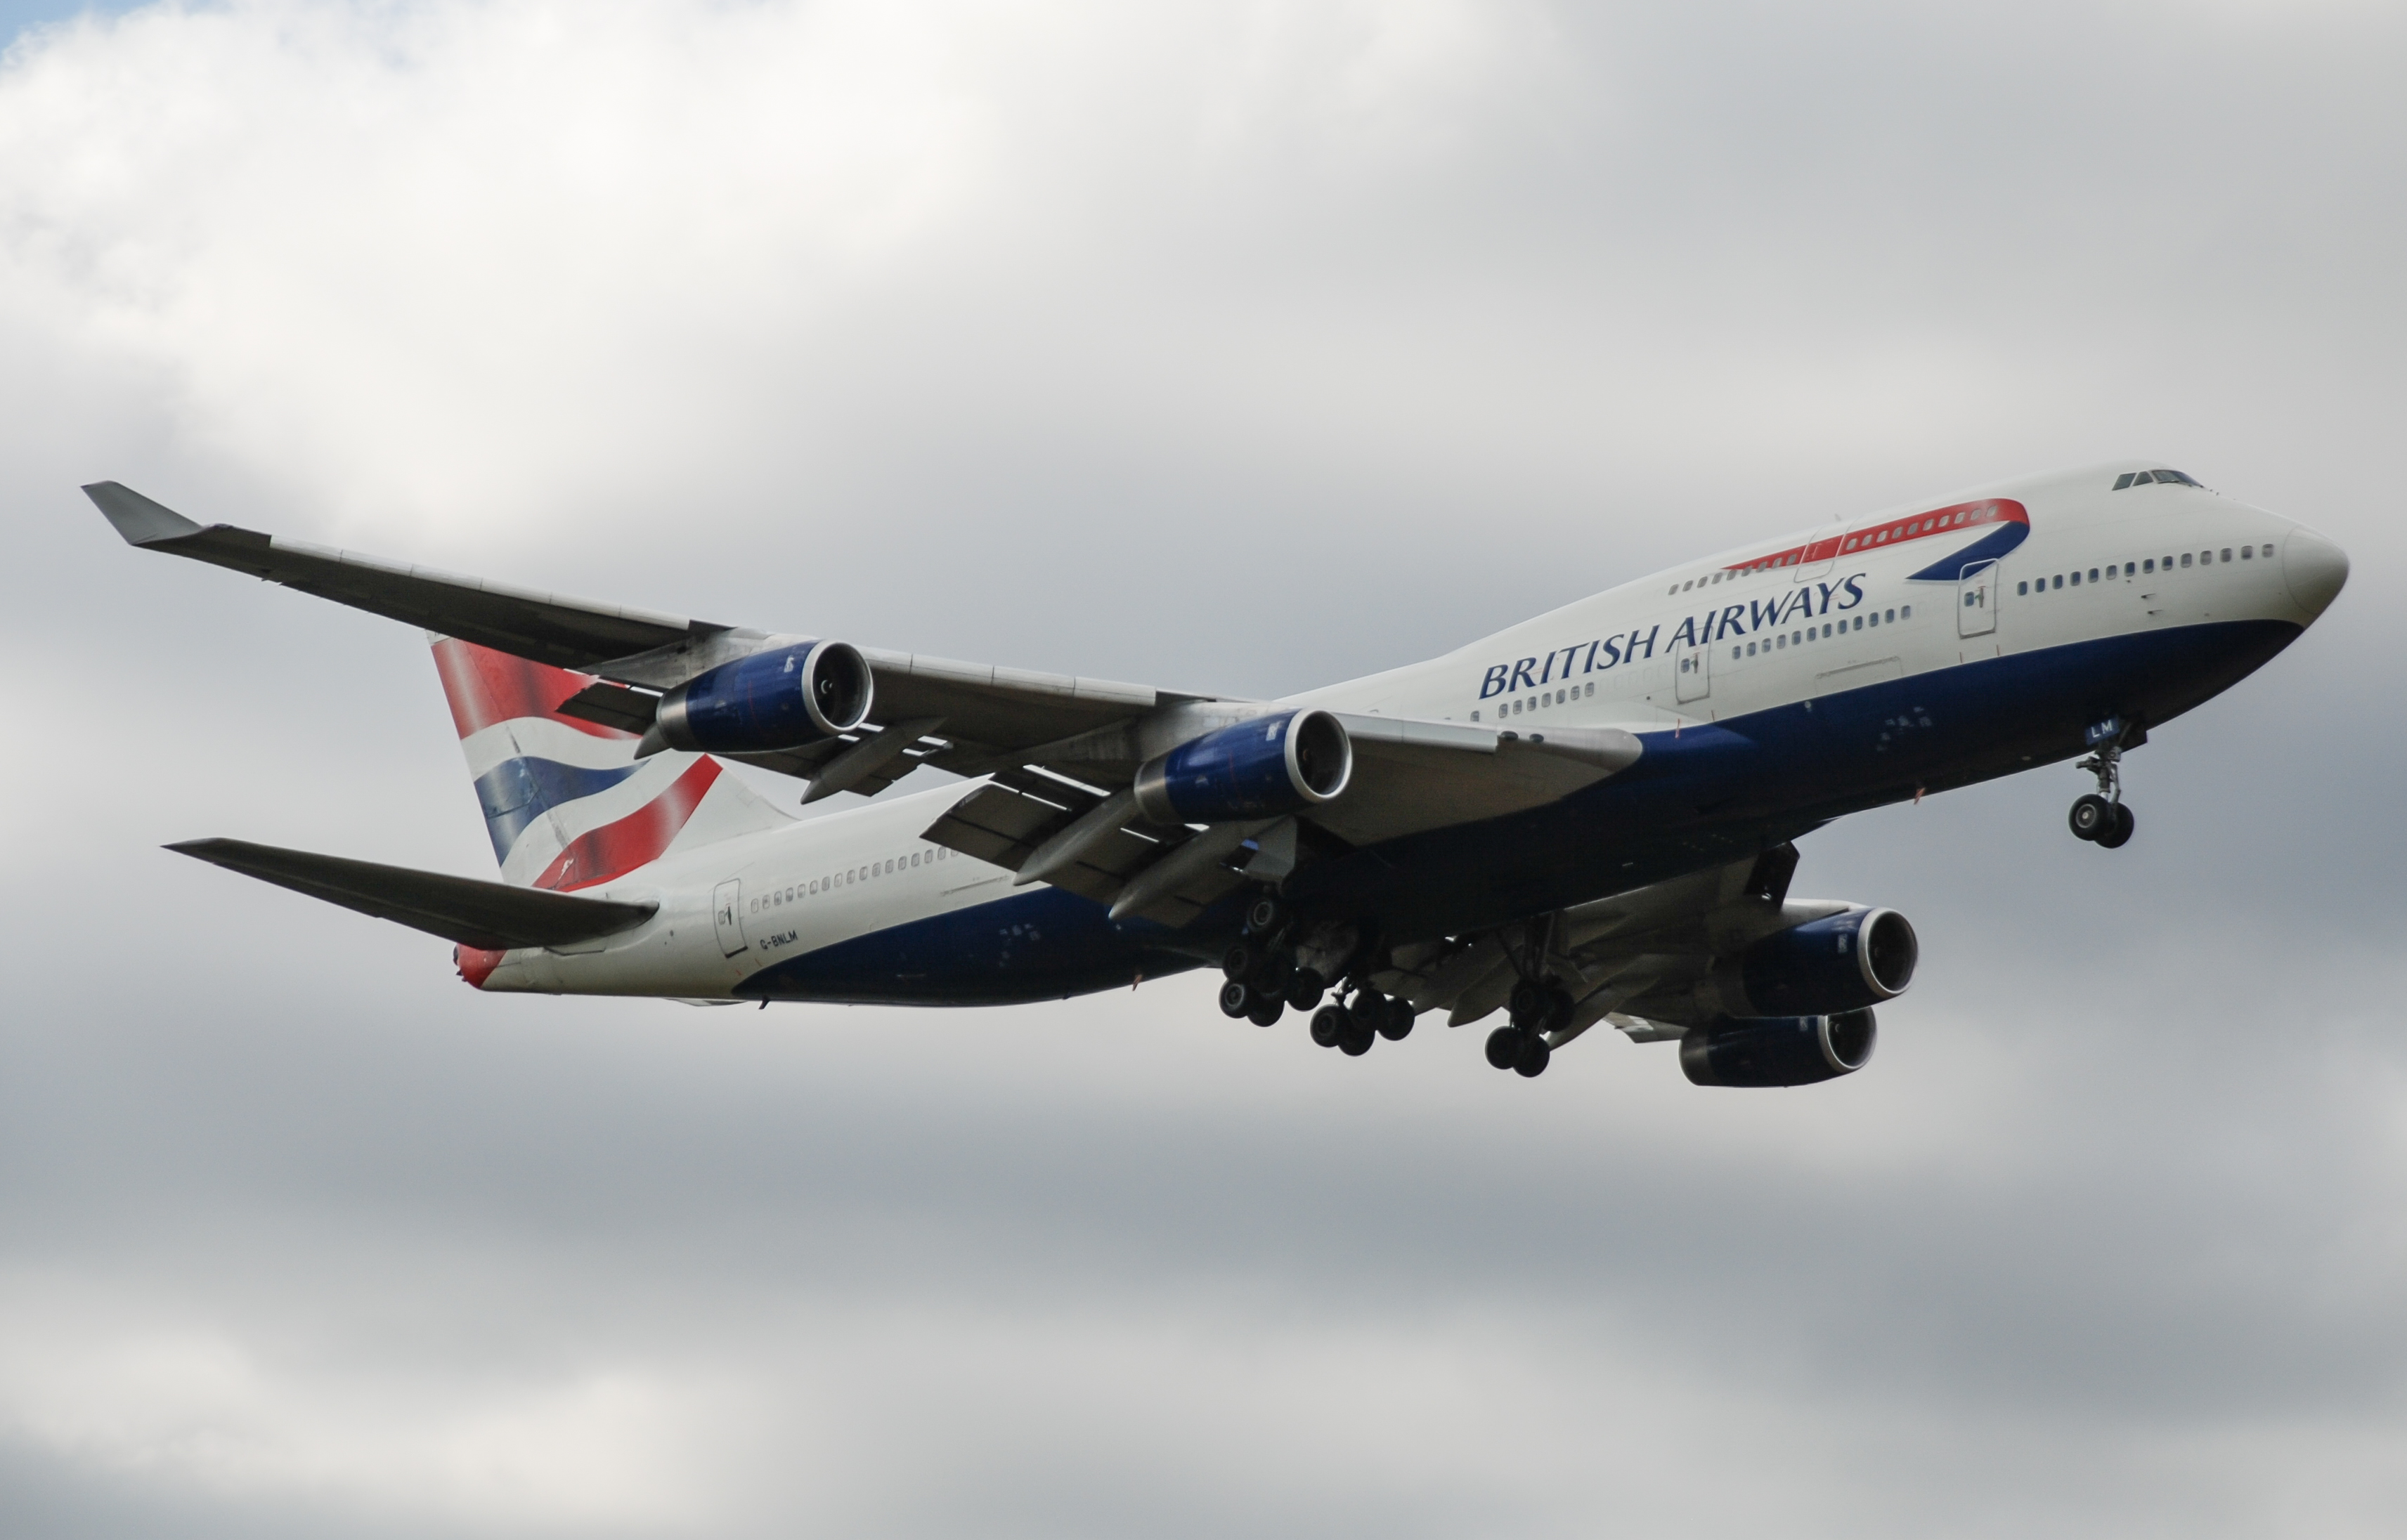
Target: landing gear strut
2102, 817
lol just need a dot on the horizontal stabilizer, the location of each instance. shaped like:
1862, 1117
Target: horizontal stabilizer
491, 915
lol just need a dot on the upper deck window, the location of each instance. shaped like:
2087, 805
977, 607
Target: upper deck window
2141, 479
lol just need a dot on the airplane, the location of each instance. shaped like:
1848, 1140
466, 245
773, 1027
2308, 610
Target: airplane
1591, 816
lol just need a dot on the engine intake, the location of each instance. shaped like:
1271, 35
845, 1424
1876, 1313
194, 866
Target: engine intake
1260, 768
1779, 1051
777, 700
1843, 961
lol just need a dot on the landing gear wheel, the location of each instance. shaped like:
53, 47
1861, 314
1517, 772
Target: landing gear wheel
1369, 1007
1266, 1010
1236, 1000
1357, 1038
1534, 1056
1265, 914
1240, 959
1270, 975
2091, 816
1398, 1024
1305, 988
1329, 1026
1528, 1002
2120, 835
1504, 1047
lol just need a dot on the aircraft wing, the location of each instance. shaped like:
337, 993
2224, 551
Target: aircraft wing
1053, 746
995, 709
1635, 958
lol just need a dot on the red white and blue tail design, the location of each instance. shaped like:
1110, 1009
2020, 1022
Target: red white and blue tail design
567, 803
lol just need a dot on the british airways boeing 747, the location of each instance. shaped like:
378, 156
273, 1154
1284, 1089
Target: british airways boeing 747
1588, 817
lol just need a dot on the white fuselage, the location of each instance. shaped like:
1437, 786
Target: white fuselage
2106, 563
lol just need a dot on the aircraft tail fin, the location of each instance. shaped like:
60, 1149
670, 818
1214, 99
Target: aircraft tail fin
564, 798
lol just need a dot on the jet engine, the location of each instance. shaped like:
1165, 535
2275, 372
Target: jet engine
1260, 768
777, 699
1779, 1051
1840, 962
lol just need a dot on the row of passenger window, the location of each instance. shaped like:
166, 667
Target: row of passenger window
1819, 633
779, 897
2133, 569
1543, 698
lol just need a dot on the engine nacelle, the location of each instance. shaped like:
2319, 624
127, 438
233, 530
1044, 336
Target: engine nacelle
1841, 962
1260, 769
777, 700
1780, 1049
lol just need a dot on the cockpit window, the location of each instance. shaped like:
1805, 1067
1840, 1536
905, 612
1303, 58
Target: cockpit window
2141, 479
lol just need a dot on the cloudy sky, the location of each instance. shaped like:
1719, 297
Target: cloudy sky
1229, 347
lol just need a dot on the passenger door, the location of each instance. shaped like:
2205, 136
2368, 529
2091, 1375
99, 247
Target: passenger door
1691, 678
1977, 600
727, 916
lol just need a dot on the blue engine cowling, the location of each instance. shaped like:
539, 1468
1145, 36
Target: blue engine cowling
1779, 1050
777, 700
1260, 769
1843, 963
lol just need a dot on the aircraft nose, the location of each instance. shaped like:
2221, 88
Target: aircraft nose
2314, 568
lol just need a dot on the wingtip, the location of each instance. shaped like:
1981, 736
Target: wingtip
136, 517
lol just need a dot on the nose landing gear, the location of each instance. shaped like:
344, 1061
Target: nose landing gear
2101, 817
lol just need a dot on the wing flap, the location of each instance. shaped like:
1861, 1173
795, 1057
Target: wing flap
491, 915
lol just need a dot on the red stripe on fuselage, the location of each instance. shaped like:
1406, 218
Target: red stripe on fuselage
637, 839
1955, 517
485, 687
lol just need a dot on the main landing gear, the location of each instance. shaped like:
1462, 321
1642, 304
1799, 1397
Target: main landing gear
1260, 967
1351, 1028
2102, 817
1537, 1008
1265, 982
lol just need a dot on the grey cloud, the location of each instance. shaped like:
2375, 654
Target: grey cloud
1236, 350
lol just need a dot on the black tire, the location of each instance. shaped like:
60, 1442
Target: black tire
1369, 1007
2125, 826
1239, 960
1358, 1039
1534, 1056
1398, 1025
1329, 1026
1560, 1006
1267, 1009
2091, 816
1236, 1000
1271, 974
1504, 1047
1305, 988
1265, 914
1528, 1002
